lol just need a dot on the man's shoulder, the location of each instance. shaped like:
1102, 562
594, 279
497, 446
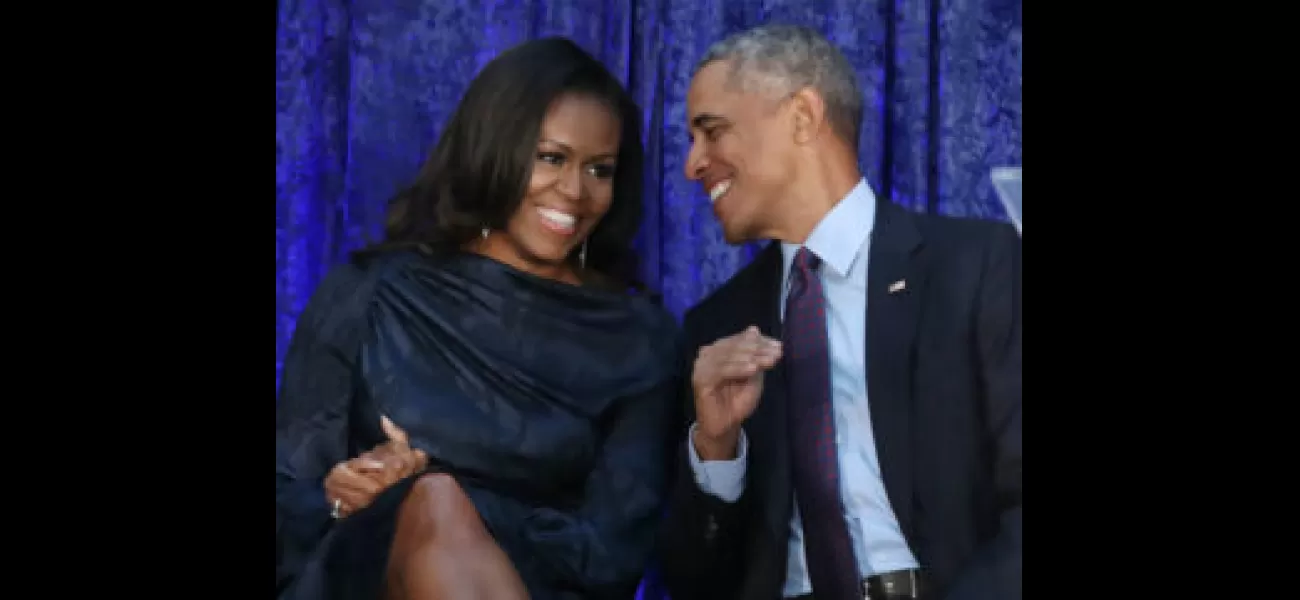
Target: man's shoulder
738, 290
964, 252
961, 243
960, 233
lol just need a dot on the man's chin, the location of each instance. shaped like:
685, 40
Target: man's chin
735, 235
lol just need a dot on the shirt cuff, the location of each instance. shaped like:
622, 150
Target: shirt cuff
722, 479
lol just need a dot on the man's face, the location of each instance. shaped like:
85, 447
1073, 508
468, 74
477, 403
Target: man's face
742, 145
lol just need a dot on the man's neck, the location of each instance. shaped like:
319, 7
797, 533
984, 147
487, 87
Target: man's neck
824, 184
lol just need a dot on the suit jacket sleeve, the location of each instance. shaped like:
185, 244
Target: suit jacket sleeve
996, 570
311, 416
701, 538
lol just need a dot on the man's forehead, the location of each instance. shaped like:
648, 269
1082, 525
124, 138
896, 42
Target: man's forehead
702, 83
716, 90
712, 75
709, 93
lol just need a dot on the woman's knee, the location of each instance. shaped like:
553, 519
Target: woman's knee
443, 550
437, 504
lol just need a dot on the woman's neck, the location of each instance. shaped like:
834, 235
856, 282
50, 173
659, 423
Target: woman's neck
502, 251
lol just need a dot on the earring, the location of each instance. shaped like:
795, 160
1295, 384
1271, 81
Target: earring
484, 233
582, 255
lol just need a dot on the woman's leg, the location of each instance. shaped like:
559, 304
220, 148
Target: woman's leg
441, 551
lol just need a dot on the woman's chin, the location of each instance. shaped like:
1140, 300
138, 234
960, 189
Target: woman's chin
547, 254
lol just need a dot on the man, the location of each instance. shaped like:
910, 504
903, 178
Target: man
856, 388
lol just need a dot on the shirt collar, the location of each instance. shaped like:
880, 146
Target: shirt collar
839, 237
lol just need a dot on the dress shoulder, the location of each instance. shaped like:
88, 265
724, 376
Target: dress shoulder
332, 327
659, 328
338, 310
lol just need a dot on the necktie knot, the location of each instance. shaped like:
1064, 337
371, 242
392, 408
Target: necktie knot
806, 261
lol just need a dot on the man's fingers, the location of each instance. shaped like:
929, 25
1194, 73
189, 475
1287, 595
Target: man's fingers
747, 342
738, 369
751, 352
768, 357
738, 356
736, 366
737, 349
747, 337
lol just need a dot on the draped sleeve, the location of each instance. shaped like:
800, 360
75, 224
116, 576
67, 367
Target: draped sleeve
312, 412
599, 549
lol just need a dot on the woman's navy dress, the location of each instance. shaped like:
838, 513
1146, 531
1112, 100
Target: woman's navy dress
553, 405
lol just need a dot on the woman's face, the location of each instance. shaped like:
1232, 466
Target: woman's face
570, 189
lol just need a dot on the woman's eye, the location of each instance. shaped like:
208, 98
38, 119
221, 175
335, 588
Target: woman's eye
602, 171
551, 158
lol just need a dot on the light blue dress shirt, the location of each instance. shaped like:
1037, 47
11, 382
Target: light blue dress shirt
841, 240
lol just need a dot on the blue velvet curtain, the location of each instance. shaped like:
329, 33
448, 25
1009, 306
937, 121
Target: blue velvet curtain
363, 88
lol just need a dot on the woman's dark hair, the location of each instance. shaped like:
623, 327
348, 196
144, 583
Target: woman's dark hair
477, 174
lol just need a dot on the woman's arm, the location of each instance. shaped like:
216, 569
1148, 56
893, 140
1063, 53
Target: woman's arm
311, 414
602, 548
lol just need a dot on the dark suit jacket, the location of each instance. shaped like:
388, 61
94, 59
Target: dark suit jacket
943, 380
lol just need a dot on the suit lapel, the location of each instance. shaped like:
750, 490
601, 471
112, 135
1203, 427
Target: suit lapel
895, 282
768, 445
892, 316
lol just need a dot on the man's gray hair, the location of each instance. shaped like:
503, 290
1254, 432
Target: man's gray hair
792, 57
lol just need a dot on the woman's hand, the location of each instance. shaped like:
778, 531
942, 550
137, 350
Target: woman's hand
395, 457
352, 485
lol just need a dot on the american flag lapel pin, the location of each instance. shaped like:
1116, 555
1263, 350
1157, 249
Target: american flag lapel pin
898, 286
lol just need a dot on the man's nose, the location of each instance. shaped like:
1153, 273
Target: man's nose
696, 163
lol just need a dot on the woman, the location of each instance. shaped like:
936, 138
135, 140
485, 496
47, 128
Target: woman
478, 407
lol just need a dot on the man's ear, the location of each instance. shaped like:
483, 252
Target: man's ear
809, 113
